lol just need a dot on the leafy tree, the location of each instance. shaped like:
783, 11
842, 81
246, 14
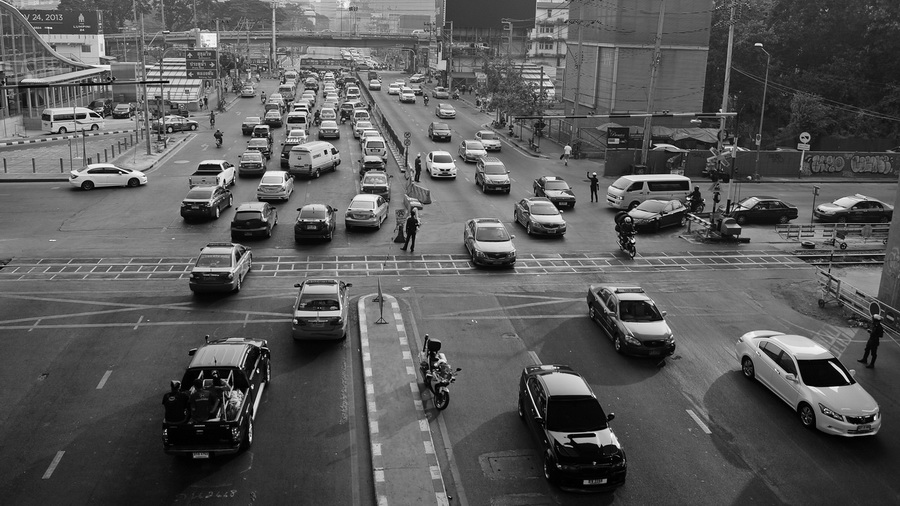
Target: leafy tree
511, 94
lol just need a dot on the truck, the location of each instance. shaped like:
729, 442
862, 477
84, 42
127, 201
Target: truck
210, 412
213, 173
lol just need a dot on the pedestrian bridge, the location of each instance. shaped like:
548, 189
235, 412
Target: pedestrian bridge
307, 38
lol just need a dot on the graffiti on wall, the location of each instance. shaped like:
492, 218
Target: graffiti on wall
842, 163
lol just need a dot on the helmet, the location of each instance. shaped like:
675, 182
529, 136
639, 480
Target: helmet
697, 188
595, 174
627, 219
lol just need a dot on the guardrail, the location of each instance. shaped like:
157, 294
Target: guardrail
836, 234
696, 219
858, 302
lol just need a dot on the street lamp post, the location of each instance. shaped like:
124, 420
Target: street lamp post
762, 110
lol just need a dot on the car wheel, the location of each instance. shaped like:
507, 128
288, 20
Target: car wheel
783, 220
842, 219
807, 415
193, 127
528, 229
656, 226
218, 212
237, 288
133, 182
633, 205
521, 408
747, 368
617, 344
330, 235
62, 130
248, 433
741, 219
549, 469
87, 185
169, 130
95, 127
684, 220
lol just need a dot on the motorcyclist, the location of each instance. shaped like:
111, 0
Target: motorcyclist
425, 99
262, 97
218, 136
317, 118
625, 228
212, 119
345, 115
694, 199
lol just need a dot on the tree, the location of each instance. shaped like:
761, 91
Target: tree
511, 94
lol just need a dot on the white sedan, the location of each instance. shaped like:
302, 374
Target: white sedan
407, 95
394, 89
106, 174
440, 164
811, 381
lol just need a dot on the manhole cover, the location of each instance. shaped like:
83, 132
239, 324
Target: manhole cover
511, 465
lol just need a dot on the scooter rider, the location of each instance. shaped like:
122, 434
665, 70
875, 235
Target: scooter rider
625, 229
694, 199
262, 97
218, 136
425, 99
317, 119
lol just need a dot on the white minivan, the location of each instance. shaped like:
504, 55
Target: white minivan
70, 119
310, 159
630, 191
296, 119
375, 146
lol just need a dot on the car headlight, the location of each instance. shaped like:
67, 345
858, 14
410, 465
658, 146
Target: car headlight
479, 253
630, 339
670, 339
829, 412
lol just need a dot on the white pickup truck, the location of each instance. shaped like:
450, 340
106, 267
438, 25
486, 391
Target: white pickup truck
213, 173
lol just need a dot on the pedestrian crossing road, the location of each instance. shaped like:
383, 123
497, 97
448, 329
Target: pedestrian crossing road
23, 269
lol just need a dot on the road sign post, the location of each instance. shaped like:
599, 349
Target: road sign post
803, 147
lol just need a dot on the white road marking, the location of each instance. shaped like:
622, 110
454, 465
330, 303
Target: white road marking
697, 419
138, 324
36, 323
103, 380
56, 459
534, 357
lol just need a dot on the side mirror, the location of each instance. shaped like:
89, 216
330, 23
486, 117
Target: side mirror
610, 417
296, 285
663, 313
192, 351
790, 377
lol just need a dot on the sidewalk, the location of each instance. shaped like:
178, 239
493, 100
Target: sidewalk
404, 464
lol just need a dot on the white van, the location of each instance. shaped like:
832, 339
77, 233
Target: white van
375, 146
288, 91
630, 191
312, 158
296, 119
70, 119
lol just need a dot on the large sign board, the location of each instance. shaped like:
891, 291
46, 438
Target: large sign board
200, 64
47, 22
481, 14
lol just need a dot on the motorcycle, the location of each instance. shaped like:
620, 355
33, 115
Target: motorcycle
455, 95
425, 100
219, 142
344, 117
436, 372
696, 207
628, 244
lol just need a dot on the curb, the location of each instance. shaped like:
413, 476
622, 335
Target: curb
382, 487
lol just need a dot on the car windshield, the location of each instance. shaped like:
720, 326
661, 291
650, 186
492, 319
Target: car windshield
824, 373
639, 311
363, 204
251, 157
272, 179
318, 302
488, 136
214, 260
556, 185
846, 202
252, 119
445, 107
544, 209
652, 206
440, 126
442, 159
621, 184
491, 234
200, 194
748, 202
494, 169
258, 142
247, 216
312, 214
375, 179
474, 145
363, 124
575, 415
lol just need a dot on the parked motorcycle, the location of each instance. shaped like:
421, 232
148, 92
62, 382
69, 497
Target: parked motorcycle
436, 372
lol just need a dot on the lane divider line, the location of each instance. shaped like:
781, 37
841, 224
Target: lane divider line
103, 380
53, 464
699, 422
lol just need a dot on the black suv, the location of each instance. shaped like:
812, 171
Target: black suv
579, 449
439, 131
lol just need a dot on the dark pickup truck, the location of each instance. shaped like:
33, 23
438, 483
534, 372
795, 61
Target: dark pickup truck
211, 411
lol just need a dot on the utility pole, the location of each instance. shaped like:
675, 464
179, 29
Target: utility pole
725, 107
274, 51
218, 71
654, 71
146, 101
449, 58
580, 58
162, 13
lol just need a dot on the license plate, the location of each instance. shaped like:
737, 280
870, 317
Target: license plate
601, 481
248, 233
864, 428
311, 227
201, 455
195, 207
552, 231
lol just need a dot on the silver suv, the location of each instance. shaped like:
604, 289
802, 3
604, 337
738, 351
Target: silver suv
491, 174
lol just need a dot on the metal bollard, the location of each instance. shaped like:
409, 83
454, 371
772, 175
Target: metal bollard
4, 165
33, 167
105, 156
61, 169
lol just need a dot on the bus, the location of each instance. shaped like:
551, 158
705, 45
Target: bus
70, 119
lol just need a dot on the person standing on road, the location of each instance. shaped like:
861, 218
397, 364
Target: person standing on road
412, 226
205, 102
567, 152
873, 342
212, 119
595, 186
418, 167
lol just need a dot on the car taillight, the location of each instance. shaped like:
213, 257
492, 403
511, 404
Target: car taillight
235, 433
336, 321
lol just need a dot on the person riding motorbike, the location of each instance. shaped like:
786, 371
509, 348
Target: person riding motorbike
218, 136
694, 199
212, 119
262, 97
625, 229
425, 99
345, 115
455, 94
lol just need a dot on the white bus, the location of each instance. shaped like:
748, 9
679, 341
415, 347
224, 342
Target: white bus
70, 119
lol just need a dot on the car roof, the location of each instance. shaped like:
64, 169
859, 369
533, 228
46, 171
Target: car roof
538, 199
315, 207
560, 380
221, 353
440, 153
490, 160
552, 178
801, 347
365, 196
623, 292
487, 222
218, 247
372, 158
251, 206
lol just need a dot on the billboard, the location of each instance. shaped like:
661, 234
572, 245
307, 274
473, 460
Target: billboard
64, 22
481, 14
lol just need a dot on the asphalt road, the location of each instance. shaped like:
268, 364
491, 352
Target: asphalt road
89, 353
